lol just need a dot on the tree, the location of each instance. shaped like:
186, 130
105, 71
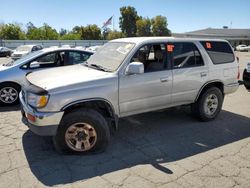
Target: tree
49, 32
115, 35
128, 20
71, 36
105, 32
11, 32
62, 32
159, 26
143, 26
76, 29
45, 32
30, 26
90, 32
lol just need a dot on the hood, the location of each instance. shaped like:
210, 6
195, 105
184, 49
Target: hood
3, 67
63, 76
20, 52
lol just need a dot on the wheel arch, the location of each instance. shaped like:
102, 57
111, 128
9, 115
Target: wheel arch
103, 106
11, 82
215, 83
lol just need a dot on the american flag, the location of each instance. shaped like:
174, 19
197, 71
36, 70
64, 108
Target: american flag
108, 22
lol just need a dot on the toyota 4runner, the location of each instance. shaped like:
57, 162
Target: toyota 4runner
80, 105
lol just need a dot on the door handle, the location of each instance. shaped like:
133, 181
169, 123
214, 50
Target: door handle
203, 74
164, 79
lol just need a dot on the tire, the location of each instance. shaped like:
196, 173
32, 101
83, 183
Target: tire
80, 128
9, 94
208, 105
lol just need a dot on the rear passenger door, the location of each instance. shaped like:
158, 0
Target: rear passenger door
189, 71
224, 66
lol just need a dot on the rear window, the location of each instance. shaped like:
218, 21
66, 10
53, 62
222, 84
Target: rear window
219, 52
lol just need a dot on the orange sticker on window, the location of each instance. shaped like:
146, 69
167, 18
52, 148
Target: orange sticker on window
208, 45
170, 47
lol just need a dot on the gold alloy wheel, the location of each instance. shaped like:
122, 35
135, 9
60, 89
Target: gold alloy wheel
81, 137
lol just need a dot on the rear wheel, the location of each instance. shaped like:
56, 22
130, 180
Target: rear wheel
9, 94
82, 131
209, 104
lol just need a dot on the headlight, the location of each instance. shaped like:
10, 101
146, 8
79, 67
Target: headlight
37, 101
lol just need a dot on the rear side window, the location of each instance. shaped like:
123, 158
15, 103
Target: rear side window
184, 55
219, 52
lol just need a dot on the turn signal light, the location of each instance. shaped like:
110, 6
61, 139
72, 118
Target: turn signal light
31, 117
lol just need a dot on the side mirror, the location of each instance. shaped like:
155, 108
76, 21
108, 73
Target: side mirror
135, 68
34, 64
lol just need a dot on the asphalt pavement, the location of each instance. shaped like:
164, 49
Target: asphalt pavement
167, 148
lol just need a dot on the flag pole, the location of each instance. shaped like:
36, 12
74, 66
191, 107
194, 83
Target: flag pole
113, 22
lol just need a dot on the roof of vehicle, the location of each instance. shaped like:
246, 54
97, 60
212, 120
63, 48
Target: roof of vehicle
138, 40
64, 48
31, 45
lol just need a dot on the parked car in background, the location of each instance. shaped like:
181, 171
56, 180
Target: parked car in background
24, 50
246, 77
123, 78
243, 48
4, 52
12, 75
93, 48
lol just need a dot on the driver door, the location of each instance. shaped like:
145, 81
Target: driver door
150, 90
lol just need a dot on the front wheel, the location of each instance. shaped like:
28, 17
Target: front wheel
9, 94
82, 131
209, 104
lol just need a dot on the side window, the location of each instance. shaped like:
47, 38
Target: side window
34, 48
153, 56
76, 58
219, 52
48, 60
185, 55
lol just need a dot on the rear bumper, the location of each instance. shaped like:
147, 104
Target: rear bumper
44, 123
246, 79
230, 88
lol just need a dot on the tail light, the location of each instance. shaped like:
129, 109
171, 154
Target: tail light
238, 61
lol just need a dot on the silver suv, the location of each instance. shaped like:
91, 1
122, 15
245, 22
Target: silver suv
80, 105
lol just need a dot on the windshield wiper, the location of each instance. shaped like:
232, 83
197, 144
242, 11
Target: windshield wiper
98, 67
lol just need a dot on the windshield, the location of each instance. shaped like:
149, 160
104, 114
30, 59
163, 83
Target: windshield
25, 58
23, 48
111, 55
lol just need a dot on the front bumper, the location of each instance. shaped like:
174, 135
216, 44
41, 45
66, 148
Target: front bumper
43, 123
230, 88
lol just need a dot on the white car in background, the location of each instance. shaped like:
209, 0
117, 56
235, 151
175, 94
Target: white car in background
12, 75
242, 48
93, 48
24, 50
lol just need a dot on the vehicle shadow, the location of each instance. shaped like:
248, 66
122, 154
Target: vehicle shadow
9, 108
151, 138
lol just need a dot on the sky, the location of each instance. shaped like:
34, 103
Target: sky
182, 15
